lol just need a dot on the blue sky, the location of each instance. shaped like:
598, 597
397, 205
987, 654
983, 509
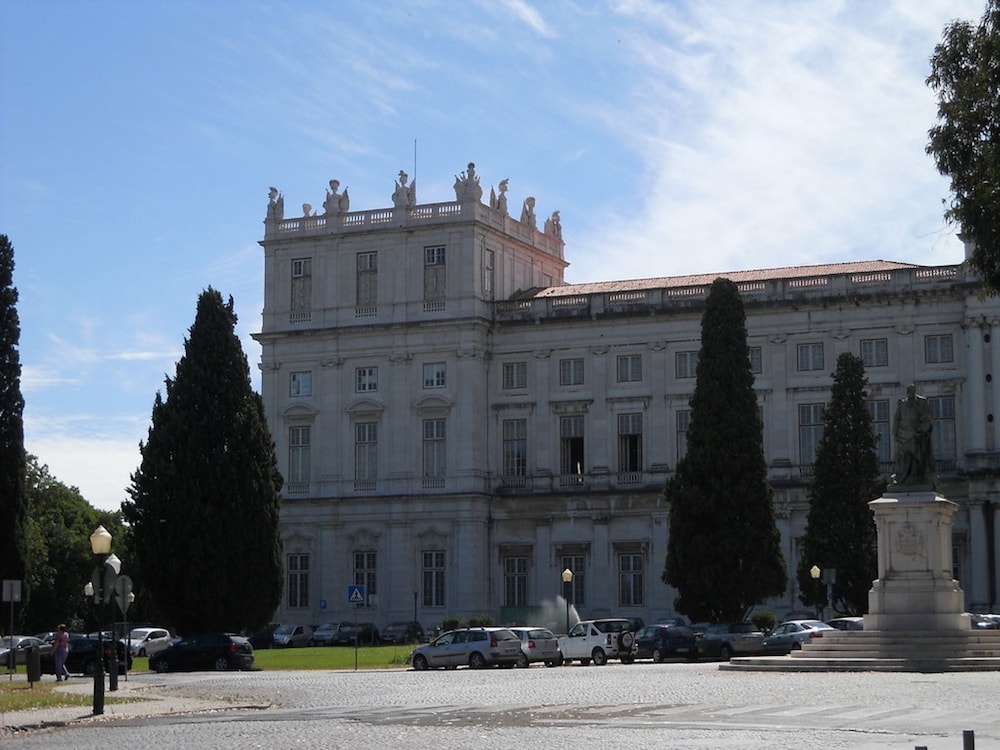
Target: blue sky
138, 141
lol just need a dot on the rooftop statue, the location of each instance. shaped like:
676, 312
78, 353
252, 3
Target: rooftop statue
553, 226
911, 426
307, 209
467, 185
499, 202
275, 205
336, 202
405, 195
528, 212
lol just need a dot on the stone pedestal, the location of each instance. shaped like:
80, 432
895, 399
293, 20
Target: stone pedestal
914, 590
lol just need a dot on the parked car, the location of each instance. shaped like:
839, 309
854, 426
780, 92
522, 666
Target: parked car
292, 636
658, 642
218, 651
263, 638
981, 622
82, 656
20, 645
538, 645
323, 635
351, 633
790, 636
727, 639
847, 623
475, 647
403, 632
148, 641
598, 641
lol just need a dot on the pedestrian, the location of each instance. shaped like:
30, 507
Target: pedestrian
60, 650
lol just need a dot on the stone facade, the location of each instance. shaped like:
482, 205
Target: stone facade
457, 425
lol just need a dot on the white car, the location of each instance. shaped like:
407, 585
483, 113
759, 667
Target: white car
149, 641
538, 644
598, 641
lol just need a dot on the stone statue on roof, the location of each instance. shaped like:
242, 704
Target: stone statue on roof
275, 205
405, 195
528, 212
336, 202
467, 186
553, 226
499, 201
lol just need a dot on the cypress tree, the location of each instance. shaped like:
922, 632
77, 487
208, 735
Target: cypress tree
724, 552
204, 502
840, 530
13, 503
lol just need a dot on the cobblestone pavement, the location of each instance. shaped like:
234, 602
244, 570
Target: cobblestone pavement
676, 705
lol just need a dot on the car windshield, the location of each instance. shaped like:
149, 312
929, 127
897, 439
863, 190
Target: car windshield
285, 630
505, 635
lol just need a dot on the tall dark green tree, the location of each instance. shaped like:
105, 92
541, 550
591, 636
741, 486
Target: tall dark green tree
724, 552
965, 143
840, 529
204, 502
12, 462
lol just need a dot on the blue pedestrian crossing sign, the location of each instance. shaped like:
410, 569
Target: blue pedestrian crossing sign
355, 594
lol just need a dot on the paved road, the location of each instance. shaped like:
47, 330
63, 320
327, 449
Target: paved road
677, 705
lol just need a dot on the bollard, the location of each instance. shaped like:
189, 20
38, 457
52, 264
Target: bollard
968, 740
33, 665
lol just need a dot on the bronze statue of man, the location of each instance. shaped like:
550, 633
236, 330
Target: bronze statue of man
912, 427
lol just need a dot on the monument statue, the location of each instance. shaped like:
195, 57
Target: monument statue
528, 212
911, 426
467, 185
275, 205
553, 225
336, 202
499, 201
405, 195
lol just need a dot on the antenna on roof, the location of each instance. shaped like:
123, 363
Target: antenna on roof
414, 159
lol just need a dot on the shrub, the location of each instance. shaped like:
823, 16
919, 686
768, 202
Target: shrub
480, 621
764, 621
449, 623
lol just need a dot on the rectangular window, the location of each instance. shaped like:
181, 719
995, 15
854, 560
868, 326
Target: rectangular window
301, 298
630, 580
810, 357
577, 588
432, 574
875, 352
571, 372
879, 411
683, 422
367, 280
515, 581
298, 581
366, 379
515, 447
943, 433
364, 571
434, 375
366, 451
434, 449
515, 375
630, 368
571, 459
686, 364
629, 442
300, 384
434, 274
299, 458
756, 360
938, 349
810, 431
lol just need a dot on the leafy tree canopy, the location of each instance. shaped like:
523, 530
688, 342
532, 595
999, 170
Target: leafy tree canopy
965, 143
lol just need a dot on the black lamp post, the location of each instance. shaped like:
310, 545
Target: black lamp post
567, 579
815, 573
101, 586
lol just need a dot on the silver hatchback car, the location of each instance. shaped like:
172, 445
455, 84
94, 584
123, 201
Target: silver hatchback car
538, 644
474, 647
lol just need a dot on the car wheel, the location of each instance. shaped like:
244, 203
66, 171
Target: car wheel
584, 662
420, 662
522, 661
221, 664
628, 660
600, 658
162, 666
726, 652
476, 660
657, 656
142, 652
796, 646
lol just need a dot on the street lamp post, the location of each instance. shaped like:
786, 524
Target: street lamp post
815, 573
567, 579
107, 566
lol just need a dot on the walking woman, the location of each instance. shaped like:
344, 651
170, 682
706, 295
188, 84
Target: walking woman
60, 650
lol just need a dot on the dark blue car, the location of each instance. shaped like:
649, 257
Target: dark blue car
659, 642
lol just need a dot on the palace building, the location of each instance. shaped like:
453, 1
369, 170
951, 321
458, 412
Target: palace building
457, 425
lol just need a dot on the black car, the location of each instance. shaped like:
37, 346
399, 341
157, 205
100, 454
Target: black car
403, 632
361, 633
218, 651
82, 656
263, 638
658, 642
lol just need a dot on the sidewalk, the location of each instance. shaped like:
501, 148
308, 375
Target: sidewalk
134, 699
